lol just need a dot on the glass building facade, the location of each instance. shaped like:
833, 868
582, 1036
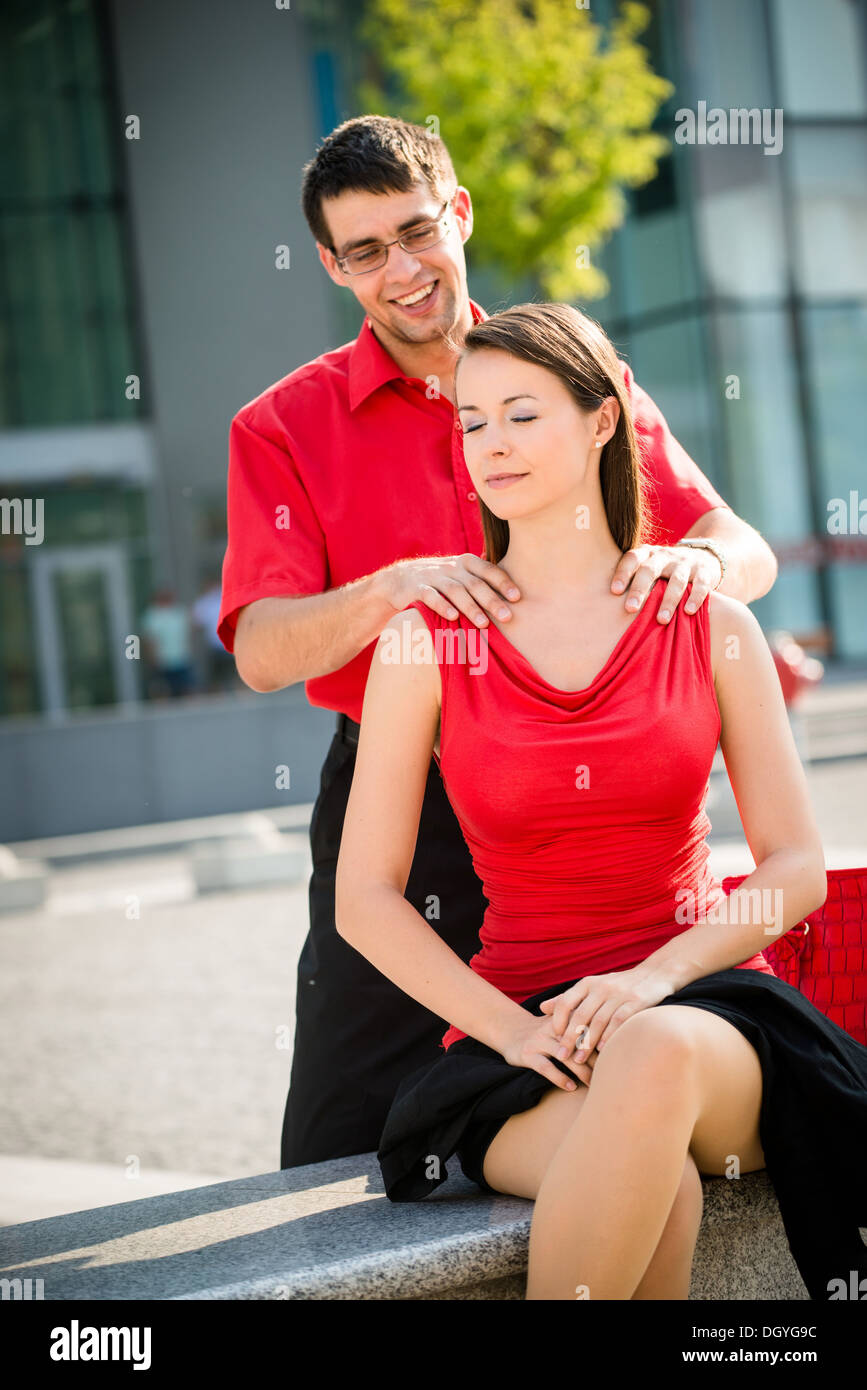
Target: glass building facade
68, 345
738, 293
739, 287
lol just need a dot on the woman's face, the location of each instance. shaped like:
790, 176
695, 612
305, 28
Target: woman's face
519, 419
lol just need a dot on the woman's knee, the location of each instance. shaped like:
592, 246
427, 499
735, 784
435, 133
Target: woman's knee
647, 1041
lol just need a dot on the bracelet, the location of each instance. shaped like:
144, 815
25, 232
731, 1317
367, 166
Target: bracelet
705, 543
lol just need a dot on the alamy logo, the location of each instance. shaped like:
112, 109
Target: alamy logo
75, 1343
453, 645
17, 518
740, 125
856, 1288
12, 1289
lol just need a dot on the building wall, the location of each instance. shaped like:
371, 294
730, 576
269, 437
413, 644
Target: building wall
741, 271
226, 97
146, 764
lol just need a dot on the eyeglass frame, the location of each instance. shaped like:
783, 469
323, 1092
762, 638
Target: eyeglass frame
387, 245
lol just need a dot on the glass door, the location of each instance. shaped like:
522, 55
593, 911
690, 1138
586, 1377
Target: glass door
82, 619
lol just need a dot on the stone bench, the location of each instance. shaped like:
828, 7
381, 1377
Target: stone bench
327, 1231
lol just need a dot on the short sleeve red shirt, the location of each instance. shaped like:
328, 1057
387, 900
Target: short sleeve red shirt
346, 465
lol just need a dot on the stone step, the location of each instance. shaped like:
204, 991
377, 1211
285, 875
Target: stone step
327, 1231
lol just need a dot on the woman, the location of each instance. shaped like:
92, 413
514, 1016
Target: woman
576, 753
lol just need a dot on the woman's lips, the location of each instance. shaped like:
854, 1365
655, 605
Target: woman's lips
505, 480
415, 310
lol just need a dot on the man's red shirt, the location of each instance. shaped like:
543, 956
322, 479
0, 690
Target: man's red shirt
346, 465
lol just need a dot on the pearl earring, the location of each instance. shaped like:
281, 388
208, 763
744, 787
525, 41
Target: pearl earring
598, 444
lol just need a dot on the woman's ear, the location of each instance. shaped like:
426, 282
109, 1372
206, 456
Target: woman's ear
609, 414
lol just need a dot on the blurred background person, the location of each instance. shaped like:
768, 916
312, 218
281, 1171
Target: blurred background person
167, 645
220, 673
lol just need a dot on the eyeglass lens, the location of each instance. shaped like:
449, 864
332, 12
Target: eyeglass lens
418, 239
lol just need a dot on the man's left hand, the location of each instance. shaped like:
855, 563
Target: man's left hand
641, 566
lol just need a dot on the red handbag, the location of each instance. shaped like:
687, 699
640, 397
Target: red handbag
825, 956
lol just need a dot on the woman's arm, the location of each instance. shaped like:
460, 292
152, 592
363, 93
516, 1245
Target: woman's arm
771, 791
398, 731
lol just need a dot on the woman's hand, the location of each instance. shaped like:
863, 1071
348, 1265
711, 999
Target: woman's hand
532, 1044
597, 1005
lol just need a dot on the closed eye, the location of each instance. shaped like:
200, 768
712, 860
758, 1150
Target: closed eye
516, 420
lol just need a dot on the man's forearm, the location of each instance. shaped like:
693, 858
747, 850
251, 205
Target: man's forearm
751, 566
279, 641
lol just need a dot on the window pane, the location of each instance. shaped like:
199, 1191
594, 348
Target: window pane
829, 170
657, 260
724, 54
764, 435
820, 51
66, 344
739, 213
669, 363
837, 349
766, 457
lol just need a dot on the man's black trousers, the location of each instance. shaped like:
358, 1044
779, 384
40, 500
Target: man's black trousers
356, 1033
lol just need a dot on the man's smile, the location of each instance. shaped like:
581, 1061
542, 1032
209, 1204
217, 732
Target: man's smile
424, 295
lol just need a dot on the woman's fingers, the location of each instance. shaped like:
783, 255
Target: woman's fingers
563, 1005
543, 1064
582, 1072
585, 1028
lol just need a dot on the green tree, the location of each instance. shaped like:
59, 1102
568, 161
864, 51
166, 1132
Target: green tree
546, 116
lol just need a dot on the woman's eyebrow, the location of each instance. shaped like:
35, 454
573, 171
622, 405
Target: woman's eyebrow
523, 395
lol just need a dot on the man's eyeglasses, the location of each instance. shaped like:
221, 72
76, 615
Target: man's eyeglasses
416, 239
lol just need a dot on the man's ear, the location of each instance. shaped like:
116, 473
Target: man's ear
328, 260
463, 212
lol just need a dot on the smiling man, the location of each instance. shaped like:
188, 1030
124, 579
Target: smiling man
348, 499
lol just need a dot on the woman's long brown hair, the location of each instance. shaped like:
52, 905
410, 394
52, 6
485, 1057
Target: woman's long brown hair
576, 349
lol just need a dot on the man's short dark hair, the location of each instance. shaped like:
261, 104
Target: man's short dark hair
373, 154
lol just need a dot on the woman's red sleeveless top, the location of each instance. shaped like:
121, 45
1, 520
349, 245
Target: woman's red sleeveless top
583, 810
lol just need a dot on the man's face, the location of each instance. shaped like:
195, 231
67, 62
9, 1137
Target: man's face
357, 219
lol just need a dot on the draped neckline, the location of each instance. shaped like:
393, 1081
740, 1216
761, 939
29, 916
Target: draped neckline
612, 656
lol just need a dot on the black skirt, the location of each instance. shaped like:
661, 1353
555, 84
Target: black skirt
812, 1124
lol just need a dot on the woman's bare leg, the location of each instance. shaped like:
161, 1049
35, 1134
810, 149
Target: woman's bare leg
518, 1157
669, 1080
669, 1274
678, 1071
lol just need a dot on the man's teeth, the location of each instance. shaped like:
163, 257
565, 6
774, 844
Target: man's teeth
419, 295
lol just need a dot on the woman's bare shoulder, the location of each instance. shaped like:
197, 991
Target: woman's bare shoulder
405, 641
734, 631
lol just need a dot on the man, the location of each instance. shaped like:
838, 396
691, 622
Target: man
348, 498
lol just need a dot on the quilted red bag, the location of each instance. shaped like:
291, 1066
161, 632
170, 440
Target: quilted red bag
825, 956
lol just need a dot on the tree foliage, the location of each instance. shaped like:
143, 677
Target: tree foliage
546, 116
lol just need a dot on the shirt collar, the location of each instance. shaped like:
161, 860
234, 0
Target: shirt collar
371, 365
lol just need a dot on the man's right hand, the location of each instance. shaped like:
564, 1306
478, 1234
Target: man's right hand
447, 583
